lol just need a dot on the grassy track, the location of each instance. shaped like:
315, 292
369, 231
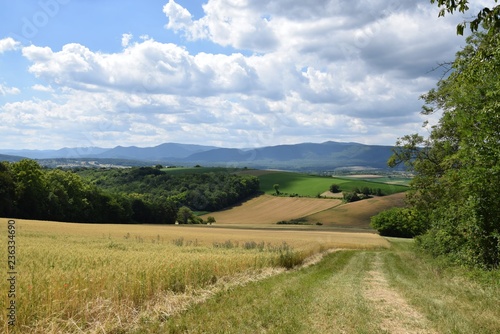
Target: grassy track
310, 300
391, 291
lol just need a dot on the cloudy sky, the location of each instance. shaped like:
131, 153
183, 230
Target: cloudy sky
231, 73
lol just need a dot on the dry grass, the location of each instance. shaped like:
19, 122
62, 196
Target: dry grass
267, 209
357, 214
102, 278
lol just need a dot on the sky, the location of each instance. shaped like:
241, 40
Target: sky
229, 73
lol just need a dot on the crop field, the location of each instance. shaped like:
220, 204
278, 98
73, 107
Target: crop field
267, 209
94, 278
311, 186
198, 170
357, 214
399, 180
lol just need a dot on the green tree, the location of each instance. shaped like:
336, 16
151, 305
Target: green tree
7, 191
31, 195
184, 215
488, 16
399, 222
350, 196
67, 193
335, 188
276, 188
210, 220
457, 165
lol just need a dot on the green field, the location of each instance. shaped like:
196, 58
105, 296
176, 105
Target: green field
311, 185
198, 170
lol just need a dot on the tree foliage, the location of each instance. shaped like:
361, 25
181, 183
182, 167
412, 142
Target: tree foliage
457, 168
350, 196
135, 195
399, 222
207, 191
335, 188
487, 16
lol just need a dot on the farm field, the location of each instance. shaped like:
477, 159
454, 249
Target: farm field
381, 179
312, 186
95, 278
356, 215
268, 209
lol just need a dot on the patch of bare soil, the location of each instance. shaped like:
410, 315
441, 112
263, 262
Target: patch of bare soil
397, 316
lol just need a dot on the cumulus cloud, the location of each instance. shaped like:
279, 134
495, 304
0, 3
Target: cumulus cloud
297, 71
4, 90
42, 88
126, 39
8, 44
148, 67
226, 22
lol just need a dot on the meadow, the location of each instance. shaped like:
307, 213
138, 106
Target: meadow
96, 278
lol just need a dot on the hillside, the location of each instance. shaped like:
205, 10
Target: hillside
10, 158
305, 156
267, 210
356, 215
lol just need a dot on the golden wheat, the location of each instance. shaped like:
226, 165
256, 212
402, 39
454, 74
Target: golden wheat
86, 277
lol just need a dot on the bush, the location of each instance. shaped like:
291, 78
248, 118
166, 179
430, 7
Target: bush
335, 188
350, 197
399, 222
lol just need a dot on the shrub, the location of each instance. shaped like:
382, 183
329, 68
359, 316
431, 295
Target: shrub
399, 222
335, 188
350, 197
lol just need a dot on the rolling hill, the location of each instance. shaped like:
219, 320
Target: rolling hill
305, 156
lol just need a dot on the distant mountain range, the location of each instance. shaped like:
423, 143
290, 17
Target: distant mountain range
305, 156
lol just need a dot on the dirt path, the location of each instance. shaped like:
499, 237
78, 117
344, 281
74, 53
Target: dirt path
396, 315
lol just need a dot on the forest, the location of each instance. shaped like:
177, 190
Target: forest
115, 195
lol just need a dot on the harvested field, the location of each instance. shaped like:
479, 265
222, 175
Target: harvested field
357, 214
267, 209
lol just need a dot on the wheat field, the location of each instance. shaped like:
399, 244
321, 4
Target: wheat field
96, 278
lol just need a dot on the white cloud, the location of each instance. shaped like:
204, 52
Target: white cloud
308, 71
42, 88
226, 22
126, 39
8, 44
4, 90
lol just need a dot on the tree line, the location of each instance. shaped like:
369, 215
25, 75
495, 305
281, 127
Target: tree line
132, 195
454, 204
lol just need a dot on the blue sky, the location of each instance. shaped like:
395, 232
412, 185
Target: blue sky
232, 73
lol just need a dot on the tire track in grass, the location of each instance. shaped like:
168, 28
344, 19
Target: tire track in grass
324, 298
397, 316
339, 304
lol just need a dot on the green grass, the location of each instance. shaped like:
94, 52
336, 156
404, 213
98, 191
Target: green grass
341, 295
311, 186
311, 300
455, 299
